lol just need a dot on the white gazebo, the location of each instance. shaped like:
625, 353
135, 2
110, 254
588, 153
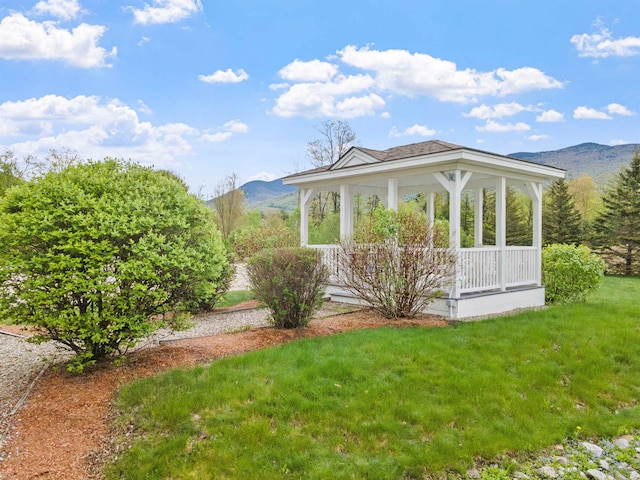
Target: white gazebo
488, 279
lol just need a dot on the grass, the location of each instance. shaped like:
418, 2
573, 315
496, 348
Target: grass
394, 403
234, 297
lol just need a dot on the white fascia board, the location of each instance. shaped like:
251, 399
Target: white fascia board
475, 161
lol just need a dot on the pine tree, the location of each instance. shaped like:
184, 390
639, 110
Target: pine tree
618, 226
561, 220
518, 233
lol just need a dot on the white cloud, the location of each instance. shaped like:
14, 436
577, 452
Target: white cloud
537, 137
313, 71
264, 176
385, 115
236, 126
332, 99
495, 127
226, 132
586, 113
318, 88
415, 130
401, 72
143, 40
500, 110
24, 39
216, 137
550, 116
618, 141
617, 109
225, 76
603, 45
93, 127
62, 9
165, 11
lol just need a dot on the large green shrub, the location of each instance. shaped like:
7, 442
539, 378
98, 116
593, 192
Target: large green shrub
92, 254
290, 282
570, 272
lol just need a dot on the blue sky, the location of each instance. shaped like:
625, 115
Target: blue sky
209, 88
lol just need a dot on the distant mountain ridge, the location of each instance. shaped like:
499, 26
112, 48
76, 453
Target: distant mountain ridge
273, 195
600, 162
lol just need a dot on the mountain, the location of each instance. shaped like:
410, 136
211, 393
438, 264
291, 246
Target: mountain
267, 196
601, 162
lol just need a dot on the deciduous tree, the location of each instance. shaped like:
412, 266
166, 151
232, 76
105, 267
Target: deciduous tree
336, 137
229, 204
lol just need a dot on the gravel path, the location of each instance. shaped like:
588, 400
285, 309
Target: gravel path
21, 362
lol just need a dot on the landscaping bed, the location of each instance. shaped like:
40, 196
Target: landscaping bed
63, 429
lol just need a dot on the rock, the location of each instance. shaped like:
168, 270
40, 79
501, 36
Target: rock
597, 474
561, 460
594, 450
604, 465
547, 471
623, 442
634, 475
473, 473
520, 476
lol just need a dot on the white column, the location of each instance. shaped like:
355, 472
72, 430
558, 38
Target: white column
454, 183
392, 194
346, 212
305, 199
431, 208
454, 211
501, 229
535, 192
477, 218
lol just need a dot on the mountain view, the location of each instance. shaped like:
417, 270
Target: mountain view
600, 162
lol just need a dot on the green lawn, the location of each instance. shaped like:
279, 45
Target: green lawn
234, 297
394, 403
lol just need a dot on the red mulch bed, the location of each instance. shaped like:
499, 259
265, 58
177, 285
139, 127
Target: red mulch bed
64, 429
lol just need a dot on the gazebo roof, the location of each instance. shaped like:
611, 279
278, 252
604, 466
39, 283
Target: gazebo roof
433, 154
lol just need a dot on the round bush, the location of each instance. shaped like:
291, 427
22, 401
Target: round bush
92, 254
290, 282
570, 272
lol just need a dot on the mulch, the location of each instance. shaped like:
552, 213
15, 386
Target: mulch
65, 429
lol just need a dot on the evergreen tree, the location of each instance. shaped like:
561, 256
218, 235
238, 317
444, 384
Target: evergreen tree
561, 221
618, 226
518, 233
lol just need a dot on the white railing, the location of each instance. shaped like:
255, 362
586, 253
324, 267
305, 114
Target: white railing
479, 269
521, 266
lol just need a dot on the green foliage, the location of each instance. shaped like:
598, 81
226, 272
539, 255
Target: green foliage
262, 233
325, 232
394, 403
290, 282
618, 226
561, 222
90, 254
569, 273
399, 264
10, 174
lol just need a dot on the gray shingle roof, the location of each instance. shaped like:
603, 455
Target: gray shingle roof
412, 150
